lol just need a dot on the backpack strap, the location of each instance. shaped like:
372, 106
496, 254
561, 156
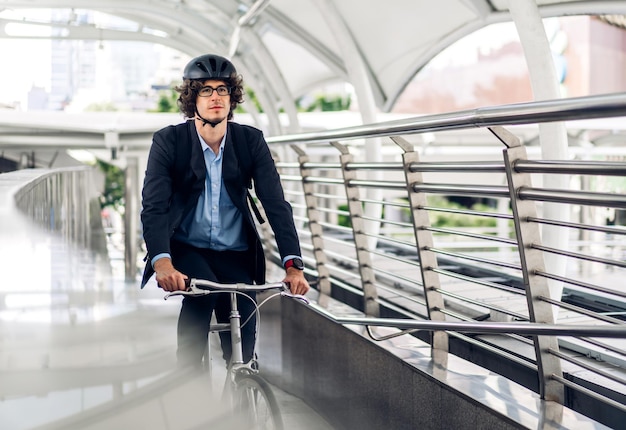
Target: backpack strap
242, 151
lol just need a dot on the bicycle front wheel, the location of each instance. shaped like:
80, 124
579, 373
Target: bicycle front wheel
256, 402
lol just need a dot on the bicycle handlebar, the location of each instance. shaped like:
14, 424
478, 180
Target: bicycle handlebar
203, 287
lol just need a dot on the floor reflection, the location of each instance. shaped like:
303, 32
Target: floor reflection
74, 335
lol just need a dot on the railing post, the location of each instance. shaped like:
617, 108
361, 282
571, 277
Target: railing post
370, 295
424, 242
131, 221
531, 259
313, 215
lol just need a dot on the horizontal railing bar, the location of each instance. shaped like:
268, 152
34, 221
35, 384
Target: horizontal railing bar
333, 211
588, 107
399, 242
479, 281
375, 166
414, 281
293, 178
571, 167
617, 201
459, 166
478, 259
390, 222
404, 205
318, 165
325, 180
389, 185
581, 283
472, 235
586, 257
336, 240
379, 202
509, 335
588, 392
521, 328
603, 229
581, 311
336, 228
329, 196
341, 256
604, 345
498, 351
481, 304
467, 212
580, 363
287, 191
462, 190
395, 276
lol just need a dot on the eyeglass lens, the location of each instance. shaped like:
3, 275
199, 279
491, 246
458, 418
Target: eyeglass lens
206, 91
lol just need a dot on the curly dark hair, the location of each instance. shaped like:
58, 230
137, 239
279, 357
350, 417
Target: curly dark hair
189, 92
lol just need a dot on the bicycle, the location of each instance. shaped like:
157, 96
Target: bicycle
247, 392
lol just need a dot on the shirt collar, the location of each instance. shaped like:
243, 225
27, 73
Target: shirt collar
204, 144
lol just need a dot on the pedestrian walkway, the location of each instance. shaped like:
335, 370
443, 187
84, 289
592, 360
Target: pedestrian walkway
80, 348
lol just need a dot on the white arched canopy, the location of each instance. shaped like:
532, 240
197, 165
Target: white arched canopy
291, 47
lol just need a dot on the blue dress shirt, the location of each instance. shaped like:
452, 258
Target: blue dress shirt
216, 223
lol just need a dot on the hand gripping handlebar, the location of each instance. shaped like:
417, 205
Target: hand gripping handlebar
202, 287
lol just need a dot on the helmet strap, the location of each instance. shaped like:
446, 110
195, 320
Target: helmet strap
206, 121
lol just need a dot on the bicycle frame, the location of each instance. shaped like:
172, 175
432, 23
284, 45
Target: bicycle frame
247, 390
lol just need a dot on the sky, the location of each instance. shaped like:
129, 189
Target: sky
28, 64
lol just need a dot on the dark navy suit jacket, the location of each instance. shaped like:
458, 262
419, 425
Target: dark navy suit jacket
169, 194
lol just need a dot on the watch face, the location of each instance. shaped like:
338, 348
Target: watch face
298, 263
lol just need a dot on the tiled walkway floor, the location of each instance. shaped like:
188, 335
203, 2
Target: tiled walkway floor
80, 348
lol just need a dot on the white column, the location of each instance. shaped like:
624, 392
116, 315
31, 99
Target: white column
358, 77
553, 136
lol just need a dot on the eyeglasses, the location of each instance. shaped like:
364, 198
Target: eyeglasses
207, 91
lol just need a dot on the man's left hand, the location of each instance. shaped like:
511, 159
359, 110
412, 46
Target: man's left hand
296, 281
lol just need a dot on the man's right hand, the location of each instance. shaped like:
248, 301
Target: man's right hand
167, 276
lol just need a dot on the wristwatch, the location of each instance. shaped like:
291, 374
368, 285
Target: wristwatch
295, 262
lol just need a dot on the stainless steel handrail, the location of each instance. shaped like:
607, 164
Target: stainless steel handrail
507, 256
589, 107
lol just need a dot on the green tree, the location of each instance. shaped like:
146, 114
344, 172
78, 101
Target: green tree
250, 97
326, 103
113, 194
167, 101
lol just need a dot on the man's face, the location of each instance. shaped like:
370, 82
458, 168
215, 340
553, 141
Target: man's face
213, 107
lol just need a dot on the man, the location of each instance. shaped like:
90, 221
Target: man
196, 219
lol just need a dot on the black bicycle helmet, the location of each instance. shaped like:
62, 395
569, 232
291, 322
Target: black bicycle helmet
209, 66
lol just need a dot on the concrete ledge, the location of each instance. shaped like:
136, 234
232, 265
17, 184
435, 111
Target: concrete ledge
355, 382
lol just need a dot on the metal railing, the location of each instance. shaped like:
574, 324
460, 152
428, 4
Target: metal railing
63, 201
407, 251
